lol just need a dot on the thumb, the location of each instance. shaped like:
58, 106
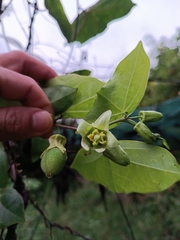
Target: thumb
17, 123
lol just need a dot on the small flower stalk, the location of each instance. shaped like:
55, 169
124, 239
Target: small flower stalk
96, 136
150, 116
54, 157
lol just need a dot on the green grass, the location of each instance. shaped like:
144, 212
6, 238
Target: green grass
152, 217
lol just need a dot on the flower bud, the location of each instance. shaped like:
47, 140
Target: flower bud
150, 116
145, 133
54, 157
115, 152
148, 136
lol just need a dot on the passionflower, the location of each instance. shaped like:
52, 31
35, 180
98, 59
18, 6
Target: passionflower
96, 136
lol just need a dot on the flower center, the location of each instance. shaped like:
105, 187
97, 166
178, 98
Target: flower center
97, 138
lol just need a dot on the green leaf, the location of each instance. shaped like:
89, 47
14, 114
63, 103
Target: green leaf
61, 97
38, 146
4, 103
83, 72
125, 90
11, 208
85, 96
94, 20
56, 10
152, 169
4, 166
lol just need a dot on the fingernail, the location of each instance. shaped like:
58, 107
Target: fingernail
41, 121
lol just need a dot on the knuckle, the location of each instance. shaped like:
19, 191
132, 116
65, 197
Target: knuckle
13, 121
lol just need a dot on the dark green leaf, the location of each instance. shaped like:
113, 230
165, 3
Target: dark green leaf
11, 207
86, 94
95, 19
56, 10
4, 103
38, 146
83, 72
4, 166
152, 169
61, 97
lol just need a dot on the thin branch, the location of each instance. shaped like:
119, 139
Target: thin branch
77, 22
125, 216
51, 225
4, 36
30, 27
165, 80
3, 10
19, 22
65, 126
74, 37
2, 24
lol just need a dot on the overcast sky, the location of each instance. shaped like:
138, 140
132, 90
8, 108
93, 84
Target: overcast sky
148, 20
156, 18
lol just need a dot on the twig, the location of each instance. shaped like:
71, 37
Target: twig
76, 23
125, 216
2, 11
19, 22
73, 38
30, 26
65, 126
2, 24
1, 7
51, 225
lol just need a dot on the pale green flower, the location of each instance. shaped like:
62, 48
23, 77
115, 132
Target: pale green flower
96, 136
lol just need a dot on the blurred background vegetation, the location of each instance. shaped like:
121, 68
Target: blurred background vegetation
164, 79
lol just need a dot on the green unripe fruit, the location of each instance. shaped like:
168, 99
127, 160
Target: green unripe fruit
117, 155
53, 162
115, 152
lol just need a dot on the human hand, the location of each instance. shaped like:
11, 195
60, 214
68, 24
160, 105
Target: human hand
19, 74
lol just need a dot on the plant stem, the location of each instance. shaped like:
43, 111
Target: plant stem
130, 121
65, 126
118, 120
124, 119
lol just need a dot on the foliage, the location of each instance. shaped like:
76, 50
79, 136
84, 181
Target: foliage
152, 169
164, 78
152, 216
85, 96
98, 16
11, 207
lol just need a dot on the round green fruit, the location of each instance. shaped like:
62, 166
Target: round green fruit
53, 162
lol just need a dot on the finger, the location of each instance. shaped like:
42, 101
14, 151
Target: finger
17, 87
17, 123
27, 65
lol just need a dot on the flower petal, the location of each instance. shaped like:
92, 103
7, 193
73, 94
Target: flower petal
99, 150
85, 144
103, 121
83, 128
